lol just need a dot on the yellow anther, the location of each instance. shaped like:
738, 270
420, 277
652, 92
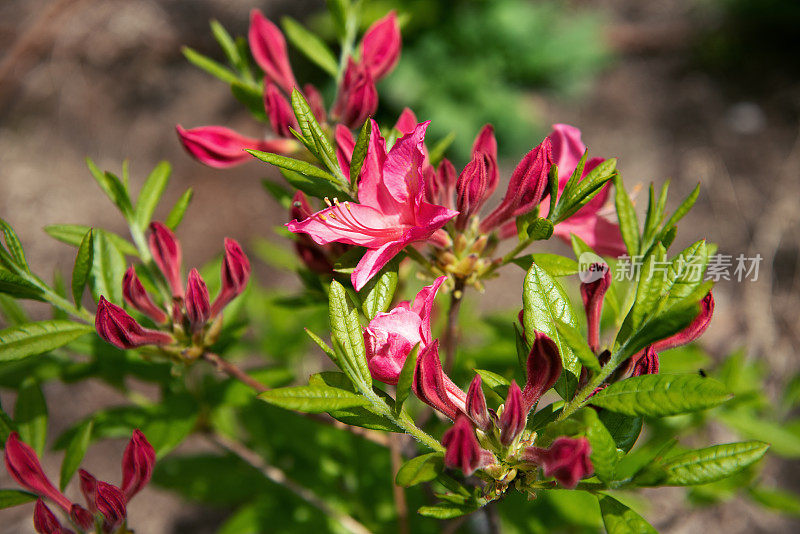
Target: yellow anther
328, 202
323, 217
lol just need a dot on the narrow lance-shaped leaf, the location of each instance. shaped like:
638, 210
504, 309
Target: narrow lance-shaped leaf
83, 267
14, 246
405, 380
18, 287
360, 152
619, 519
314, 137
628, 222
379, 291
73, 234
30, 415
310, 45
113, 188
577, 342
151, 193
35, 338
604, 450
207, 64
76, 450
13, 497
420, 469
684, 208
7, 426
710, 464
229, 47
108, 269
313, 399
291, 164
178, 210
346, 329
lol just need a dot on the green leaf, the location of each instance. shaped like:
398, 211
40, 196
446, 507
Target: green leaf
178, 210
648, 293
346, 329
684, 208
35, 338
360, 151
540, 229
252, 98
604, 449
405, 379
554, 264
313, 399
312, 186
710, 464
207, 64
82, 268
619, 519
228, 46
438, 150
113, 188
379, 291
30, 415
567, 193
445, 510
661, 395
296, 165
321, 344
108, 269
545, 303
73, 234
151, 193
576, 341
585, 190
18, 287
7, 426
14, 246
781, 501
628, 222
497, 383
782, 440
75, 452
310, 45
315, 138
420, 469
13, 497
624, 429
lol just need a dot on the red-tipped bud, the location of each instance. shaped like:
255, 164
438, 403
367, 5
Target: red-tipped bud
220, 147
462, 448
567, 460
45, 521
111, 503
476, 405
380, 47
433, 388
358, 98
406, 122
89, 489
234, 275
471, 189
279, 111
121, 330
315, 102
345, 144
644, 363
137, 297
166, 251
198, 307
24, 467
269, 50
526, 187
592, 292
486, 143
543, 366
694, 330
312, 255
81, 517
514, 416
440, 186
137, 464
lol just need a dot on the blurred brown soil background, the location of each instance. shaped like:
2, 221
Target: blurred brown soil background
106, 79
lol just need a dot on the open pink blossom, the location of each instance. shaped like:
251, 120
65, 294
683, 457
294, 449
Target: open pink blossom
390, 337
391, 212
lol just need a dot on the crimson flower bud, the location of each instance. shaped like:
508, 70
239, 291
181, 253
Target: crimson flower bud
486, 143
279, 111
315, 102
543, 367
698, 325
440, 186
89, 489
514, 416
121, 330
644, 363
345, 144
358, 98
234, 275
380, 47
220, 147
525, 189
198, 307
111, 503
137, 297
81, 517
592, 294
567, 460
433, 387
45, 521
312, 255
166, 251
476, 405
471, 189
462, 450
24, 467
137, 464
268, 47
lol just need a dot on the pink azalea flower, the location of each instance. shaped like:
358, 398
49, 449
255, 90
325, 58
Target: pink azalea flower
220, 147
391, 212
390, 337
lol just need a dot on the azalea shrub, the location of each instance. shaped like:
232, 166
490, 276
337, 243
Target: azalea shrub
376, 397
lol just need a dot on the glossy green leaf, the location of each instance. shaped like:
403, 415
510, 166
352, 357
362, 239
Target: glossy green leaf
178, 210
73, 234
661, 395
619, 519
379, 291
296, 165
420, 469
315, 138
624, 429
406, 379
13, 245
710, 464
18, 287
75, 452
114, 189
108, 268
628, 222
151, 193
207, 64
497, 383
310, 45
684, 208
360, 151
604, 450
554, 264
30, 415
346, 329
577, 342
228, 46
35, 338
313, 399
13, 497
312, 186
83, 266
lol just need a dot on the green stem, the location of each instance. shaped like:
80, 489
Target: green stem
403, 420
580, 398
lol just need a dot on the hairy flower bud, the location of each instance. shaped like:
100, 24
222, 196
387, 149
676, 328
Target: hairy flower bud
698, 325
543, 367
280, 113
268, 47
81, 517
198, 307
220, 147
121, 330
567, 459
471, 189
135, 295
358, 98
592, 294
462, 450
166, 251
89, 489
45, 521
514, 416
476, 405
644, 363
380, 47
440, 186
137, 464
433, 387
234, 275
24, 467
111, 503
486, 143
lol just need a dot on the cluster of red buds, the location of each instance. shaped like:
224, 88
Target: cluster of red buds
106, 504
189, 321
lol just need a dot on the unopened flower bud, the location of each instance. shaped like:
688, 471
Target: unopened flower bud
440, 186
137, 464
644, 363
486, 143
358, 98
45, 521
476, 405
514, 416
380, 47
220, 147
24, 467
592, 294
234, 275
89, 489
471, 189
698, 325
462, 450
136, 296
111, 503
279, 111
198, 307
121, 330
567, 459
345, 144
433, 387
268, 47
81, 517
166, 251
543, 367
